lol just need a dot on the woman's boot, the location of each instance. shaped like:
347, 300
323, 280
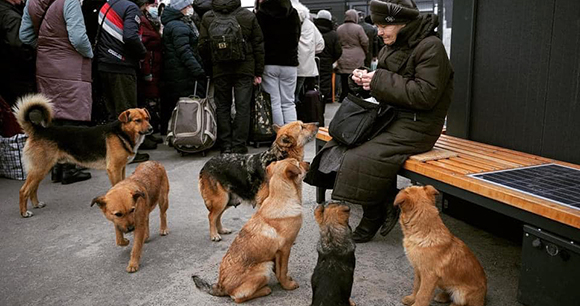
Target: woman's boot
56, 174
371, 222
70, 174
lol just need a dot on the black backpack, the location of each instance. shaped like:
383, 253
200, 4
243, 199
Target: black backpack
227, 43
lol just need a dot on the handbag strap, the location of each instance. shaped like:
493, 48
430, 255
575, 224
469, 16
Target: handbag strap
101, 25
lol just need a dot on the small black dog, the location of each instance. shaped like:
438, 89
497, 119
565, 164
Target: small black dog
333, 276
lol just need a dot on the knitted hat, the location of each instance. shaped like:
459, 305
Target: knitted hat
180, 4
387, 12
324, 14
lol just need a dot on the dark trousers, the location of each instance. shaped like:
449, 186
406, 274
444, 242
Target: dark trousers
119, 91
233, 133
343, 86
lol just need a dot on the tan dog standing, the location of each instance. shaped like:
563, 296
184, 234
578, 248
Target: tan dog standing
129, 203
230, 179
265, 241
438, 258
110, 146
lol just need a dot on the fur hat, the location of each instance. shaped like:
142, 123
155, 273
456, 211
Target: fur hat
324, 14
180, 4
387, 12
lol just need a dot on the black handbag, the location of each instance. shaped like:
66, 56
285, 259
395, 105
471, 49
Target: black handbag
357, 121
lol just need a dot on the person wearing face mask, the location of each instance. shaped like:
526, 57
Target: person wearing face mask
182, 65
415, 77
17, 60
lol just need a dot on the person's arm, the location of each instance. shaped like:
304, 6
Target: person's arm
421, 92
131, 38
204, 43
258, 48
75, 26
184, 52
26, 33
318, 40
337, 52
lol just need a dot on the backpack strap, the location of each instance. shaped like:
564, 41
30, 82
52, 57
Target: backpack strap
101, 26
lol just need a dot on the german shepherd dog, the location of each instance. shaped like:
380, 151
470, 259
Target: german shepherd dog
110, 146
264, 243
334, 273
229, 179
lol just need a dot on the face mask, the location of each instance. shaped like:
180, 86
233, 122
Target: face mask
153, 11
189, 11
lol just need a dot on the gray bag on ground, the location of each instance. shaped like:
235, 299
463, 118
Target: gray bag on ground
192, 127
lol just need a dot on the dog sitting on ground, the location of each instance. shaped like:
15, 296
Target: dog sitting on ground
265, 240
438, 258
129, 203
229, 179
110, 146
333, 276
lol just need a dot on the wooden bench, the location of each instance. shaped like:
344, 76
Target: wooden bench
450, 175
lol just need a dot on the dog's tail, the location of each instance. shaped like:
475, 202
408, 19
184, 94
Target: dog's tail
207, 287
33, 111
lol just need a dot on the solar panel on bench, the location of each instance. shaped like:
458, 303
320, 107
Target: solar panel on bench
552, 182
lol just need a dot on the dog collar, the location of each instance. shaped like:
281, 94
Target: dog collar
126, 144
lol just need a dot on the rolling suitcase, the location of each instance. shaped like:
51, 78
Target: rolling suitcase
310, 107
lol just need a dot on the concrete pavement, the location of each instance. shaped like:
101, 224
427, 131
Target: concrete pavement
66, 253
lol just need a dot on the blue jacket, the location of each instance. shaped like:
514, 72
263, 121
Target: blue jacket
119, 47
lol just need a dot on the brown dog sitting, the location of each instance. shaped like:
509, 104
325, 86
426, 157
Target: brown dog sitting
439, 258
265, 240
129, 203
230, 179
109, 146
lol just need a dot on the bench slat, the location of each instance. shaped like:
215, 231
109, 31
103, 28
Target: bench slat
494, 152
448, 167
505, 163
468, 167
480, 165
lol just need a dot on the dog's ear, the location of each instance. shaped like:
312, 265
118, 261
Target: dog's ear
401, 198
431, 190
100, 201
147, 112
319, 214
125, 116
292, 172
276, 128
286, 141
138, 194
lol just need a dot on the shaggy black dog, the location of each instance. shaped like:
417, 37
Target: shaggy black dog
333, 276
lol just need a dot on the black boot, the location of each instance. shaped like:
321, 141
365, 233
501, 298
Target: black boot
391, 218
372, 220
56, 174
70, 174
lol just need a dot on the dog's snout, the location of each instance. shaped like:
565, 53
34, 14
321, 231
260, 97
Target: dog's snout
130, 228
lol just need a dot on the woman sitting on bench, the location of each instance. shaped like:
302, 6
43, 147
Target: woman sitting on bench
415, 77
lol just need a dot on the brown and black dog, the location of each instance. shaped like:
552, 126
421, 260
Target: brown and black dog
334, 273
110, 146
264, 242
438, 258
229, 179
129, 203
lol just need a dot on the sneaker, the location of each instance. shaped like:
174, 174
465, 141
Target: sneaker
240, 149
154, 139
226, 150
148, 144
70, 174
140, 157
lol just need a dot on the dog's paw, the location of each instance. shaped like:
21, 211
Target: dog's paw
27, 214
132, 267
290, 285
216, 238
164, 232
442, 297
408, 300
124, 242
225, 231
39, 205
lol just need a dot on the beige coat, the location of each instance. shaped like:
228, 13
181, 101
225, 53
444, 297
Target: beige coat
354, 43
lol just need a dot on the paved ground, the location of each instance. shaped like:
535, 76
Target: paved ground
66, 253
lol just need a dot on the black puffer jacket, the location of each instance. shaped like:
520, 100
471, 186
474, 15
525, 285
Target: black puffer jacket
281, 27
253, 65
415, 76
332, 47
182, 64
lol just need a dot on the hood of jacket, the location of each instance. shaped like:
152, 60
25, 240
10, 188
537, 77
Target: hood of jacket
323, 25
276, 8
170, 14
351, 16
225, 6
5, 6
416, 30
201, 7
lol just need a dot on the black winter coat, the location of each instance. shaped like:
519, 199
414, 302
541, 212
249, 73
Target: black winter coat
281, 27
415, 76
373, 48
253, 65
182, 65
331, 53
